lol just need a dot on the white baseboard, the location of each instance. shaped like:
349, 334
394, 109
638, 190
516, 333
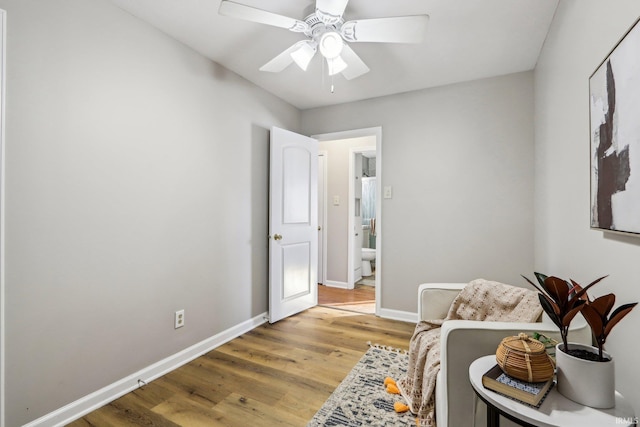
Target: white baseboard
405, 316
99, 398
332, 284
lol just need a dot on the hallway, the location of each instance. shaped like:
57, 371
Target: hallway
362, 299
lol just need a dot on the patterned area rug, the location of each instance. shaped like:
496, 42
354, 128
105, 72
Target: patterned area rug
361, 398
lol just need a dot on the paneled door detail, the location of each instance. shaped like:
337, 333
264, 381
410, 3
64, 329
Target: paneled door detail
293, 224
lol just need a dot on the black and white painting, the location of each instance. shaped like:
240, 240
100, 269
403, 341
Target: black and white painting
615, 138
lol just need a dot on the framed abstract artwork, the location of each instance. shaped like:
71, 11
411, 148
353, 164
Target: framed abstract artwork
614, 108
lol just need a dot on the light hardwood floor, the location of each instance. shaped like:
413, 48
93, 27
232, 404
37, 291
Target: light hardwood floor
362, 299
275, 375
362, 293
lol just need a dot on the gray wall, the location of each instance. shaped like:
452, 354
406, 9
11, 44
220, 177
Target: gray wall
582, 35
338, 216
460, 160
136, 186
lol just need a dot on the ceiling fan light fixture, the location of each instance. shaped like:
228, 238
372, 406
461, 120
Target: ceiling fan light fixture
325, 29
331, 44
303, 55
336, 65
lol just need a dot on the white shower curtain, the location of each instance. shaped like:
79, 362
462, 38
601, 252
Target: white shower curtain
368, 199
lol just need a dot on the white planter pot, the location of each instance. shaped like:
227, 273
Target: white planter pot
583, 381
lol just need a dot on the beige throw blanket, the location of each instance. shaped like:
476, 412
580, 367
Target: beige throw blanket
479, 300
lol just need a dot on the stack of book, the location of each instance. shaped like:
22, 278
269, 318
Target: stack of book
532, 394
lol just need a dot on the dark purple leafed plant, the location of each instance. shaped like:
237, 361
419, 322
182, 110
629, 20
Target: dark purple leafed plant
561, 300
596, 313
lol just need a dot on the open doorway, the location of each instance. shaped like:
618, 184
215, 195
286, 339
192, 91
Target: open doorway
350, 220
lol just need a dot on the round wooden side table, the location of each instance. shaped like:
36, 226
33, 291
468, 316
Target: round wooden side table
555, 411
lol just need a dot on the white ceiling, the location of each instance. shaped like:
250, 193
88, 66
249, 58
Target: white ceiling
466, 40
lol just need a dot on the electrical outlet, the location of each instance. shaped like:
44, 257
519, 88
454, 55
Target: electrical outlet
179, 319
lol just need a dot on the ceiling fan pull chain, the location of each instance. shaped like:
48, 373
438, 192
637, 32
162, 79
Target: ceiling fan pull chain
323, 72
331, 85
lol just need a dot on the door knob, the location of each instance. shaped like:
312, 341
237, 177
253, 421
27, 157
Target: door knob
277, 237
319, 228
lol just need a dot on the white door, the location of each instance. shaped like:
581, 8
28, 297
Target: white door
293, 224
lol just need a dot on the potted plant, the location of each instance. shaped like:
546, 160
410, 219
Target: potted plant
561, 300
580, 366
596, 313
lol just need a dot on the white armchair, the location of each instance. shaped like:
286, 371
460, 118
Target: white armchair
463, 341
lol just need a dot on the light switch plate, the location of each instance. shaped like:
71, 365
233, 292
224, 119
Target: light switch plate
387, 192
336, 200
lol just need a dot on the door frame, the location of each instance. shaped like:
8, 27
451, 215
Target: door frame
322, 269
3, 56
357, 133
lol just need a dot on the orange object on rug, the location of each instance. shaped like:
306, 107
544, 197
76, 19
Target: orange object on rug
400, 407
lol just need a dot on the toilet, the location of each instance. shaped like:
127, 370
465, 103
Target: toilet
368, 255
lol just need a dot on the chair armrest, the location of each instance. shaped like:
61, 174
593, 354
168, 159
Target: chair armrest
434, 299
463, 341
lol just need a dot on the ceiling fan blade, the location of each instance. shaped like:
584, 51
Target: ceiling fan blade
248, 13
283, 60
356, 67
330, 11
400, 29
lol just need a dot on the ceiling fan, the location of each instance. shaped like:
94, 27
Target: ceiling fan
327, 31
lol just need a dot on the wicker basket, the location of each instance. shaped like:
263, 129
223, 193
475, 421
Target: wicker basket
524, 358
